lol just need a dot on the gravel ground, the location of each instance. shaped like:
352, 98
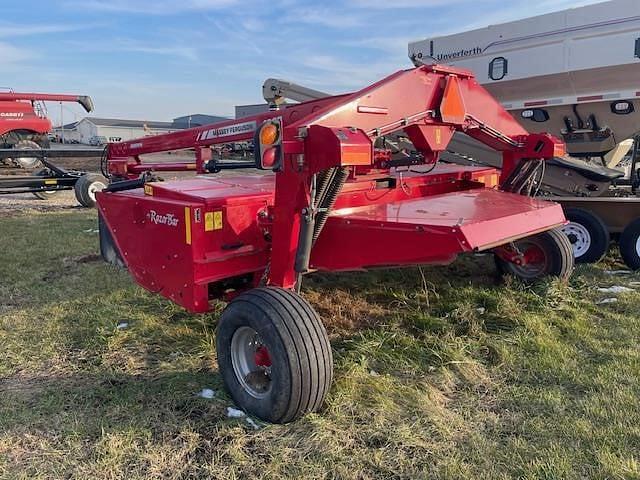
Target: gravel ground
26, 203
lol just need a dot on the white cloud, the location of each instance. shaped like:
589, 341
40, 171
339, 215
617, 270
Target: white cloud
392, 44
333, 73
392, 4
157, 7
325, 17
185, 52
13, 30
12, 55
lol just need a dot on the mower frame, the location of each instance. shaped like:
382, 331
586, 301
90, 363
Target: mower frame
336, 200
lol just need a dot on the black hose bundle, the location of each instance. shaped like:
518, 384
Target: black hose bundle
326, 198
327, 186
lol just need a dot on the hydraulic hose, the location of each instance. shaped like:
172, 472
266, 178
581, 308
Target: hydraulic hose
328, 201
325, 189
324, 180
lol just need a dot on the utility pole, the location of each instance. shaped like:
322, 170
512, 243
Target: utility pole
61, 125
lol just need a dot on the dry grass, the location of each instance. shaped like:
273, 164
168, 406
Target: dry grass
440, 373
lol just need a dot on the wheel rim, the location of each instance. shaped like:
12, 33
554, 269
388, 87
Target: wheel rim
25, 146
536, 262
251, 362
579, 237
638, 246
94, 188
47, 193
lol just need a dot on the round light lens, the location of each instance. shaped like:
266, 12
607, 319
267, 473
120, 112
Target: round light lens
269, 134
269, 158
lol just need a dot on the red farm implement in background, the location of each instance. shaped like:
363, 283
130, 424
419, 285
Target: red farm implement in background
24, 124
339, 199
24, 144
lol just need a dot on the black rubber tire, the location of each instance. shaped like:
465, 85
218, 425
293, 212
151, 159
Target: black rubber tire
44, 194
629, 241
84, 185
597, 231
43, 141
108, 248
24, 145
557, 249
301, 358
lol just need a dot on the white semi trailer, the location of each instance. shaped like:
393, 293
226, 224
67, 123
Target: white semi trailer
574, 73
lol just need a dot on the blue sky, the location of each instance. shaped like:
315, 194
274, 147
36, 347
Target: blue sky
156, 60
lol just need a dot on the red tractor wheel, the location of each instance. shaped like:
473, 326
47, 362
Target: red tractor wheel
274, 354
532, 258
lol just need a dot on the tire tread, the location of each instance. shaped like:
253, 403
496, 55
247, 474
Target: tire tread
306, 344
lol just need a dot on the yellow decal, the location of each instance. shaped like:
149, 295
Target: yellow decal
438, 136
187, 225
51, 182
217, 220
212, 221
148, 189
191, 166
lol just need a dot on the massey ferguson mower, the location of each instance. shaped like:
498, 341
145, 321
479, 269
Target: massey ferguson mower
24, 145
338, 199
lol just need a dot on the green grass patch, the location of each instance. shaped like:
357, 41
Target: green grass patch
441, 372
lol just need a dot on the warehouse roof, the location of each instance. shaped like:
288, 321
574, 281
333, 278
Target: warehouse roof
68, 126
196, 120
116, 122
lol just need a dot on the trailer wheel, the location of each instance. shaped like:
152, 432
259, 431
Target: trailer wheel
630, 245
588, 235
274, 354
547, 254
44, 194
86, 188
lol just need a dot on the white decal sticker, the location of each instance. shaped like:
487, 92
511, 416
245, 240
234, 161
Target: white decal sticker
229, 130
166, 219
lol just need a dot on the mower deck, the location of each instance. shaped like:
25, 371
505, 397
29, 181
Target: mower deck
431, 229
212, 223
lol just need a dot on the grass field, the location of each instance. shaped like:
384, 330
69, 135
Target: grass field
440, 373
